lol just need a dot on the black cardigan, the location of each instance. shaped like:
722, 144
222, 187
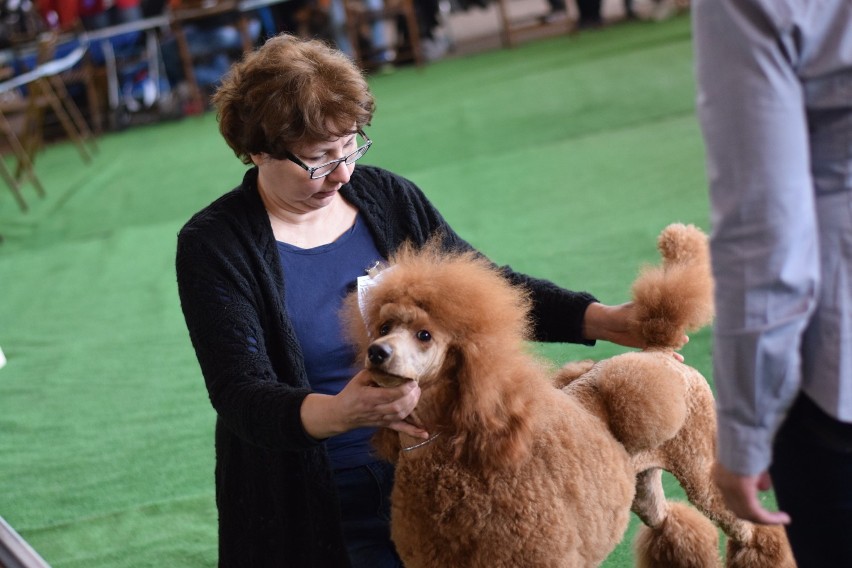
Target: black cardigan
274, 488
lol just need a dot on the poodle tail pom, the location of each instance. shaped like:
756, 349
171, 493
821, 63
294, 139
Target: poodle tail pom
676, 297
685, 539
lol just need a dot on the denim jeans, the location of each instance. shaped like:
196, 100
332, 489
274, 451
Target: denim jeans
365, 508
812, 475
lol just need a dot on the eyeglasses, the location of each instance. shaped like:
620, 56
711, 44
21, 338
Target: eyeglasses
325, 169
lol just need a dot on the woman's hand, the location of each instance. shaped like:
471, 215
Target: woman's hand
361, 403
612, 323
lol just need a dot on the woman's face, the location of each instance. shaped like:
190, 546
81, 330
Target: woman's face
285, 184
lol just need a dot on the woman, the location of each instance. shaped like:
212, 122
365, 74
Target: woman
262, 272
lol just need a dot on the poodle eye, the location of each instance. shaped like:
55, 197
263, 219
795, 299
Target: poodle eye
424, 335
384, 330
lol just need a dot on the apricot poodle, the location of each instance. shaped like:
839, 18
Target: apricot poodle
528, 467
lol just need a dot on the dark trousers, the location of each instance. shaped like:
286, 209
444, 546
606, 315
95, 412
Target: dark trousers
365, 507
812, 476
590, 10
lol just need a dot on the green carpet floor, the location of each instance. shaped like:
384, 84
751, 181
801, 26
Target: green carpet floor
563, 157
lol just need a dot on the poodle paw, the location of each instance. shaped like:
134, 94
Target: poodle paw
685, 539
768, 548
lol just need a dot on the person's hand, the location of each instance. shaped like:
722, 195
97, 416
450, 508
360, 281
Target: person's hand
362, 403
612, 323
386, 407
740, 493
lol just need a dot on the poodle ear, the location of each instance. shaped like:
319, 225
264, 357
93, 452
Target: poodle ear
354, 327
490, 416
386, 443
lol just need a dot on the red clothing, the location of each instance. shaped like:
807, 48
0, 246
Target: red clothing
65, 10
69, 11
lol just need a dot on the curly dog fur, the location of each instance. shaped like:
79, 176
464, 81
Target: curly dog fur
528, 467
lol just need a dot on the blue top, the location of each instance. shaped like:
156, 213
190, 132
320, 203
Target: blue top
316, 281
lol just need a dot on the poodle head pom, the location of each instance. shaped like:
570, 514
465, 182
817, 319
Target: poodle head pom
461, 292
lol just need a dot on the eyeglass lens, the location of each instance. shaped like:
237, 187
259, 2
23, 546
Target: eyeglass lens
326, 169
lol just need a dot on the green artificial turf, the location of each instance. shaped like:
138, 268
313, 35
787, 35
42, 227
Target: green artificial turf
563, 157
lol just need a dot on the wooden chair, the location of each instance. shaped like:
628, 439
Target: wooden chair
85, 74
24, 165
54, 94
514, 26
45, 89
25, 98
405, 45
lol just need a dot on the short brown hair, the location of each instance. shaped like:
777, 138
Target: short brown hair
290, 90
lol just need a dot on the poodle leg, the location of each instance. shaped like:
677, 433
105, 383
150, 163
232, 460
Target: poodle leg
675, 535
650, 503
749, 546
689, 457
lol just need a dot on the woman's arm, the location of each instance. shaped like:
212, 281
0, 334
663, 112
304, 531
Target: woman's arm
221, 307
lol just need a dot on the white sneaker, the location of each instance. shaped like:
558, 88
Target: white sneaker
555, 17
434, 49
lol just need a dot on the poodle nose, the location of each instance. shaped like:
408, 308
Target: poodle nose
379, 353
